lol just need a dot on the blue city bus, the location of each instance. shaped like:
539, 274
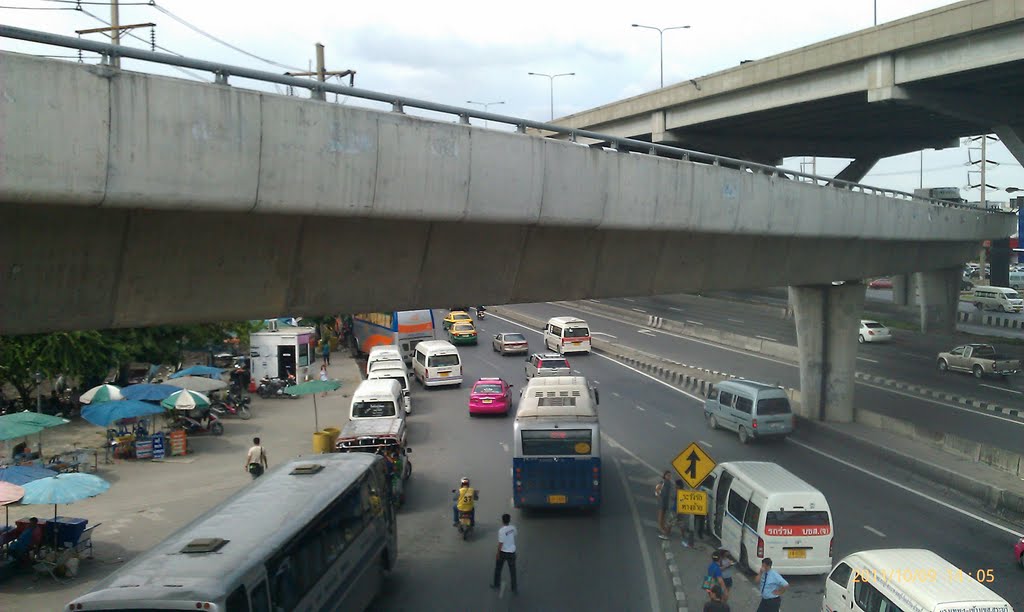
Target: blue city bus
405, 328
557, 458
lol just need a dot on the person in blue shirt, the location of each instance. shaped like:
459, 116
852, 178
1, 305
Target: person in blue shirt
19, 549
715, 574
770, 586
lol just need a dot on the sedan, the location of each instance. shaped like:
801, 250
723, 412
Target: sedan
456, 316
462, 333
547, 364
510, 343
880, 283
1018, 552
490, 396
873, 331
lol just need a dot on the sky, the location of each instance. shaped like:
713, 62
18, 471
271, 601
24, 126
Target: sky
458, 51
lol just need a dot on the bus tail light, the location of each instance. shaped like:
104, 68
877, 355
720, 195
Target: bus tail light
753, 423
597, 477
760, 548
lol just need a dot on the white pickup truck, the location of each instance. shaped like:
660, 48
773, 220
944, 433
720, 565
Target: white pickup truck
978, 359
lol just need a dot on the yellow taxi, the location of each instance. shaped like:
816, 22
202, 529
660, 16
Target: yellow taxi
457, 316
462, 333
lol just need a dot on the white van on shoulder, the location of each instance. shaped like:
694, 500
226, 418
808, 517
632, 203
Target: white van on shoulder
760, 509
1003, 299
390, 370
908, 579
567, 335
436, 362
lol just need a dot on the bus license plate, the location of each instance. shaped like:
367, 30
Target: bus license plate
443, 374
557, 499
797, 554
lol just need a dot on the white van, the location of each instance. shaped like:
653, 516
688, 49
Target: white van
386, 370
384, 355
1002, 299
1017, 280
567, 335
377, 399
907, 579
437, 362
760, 509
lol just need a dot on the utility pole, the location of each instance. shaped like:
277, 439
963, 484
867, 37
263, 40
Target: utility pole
984, 204
321, 73
115, 30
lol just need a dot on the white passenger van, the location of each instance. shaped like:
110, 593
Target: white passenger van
907, 579
386, 355
1002, 299
760, 510
377, 399
567, 335
395, 371
437, 362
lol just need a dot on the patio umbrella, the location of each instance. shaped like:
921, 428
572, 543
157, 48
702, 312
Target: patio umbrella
21, 474
185, 400
199, 370
102, 393
197, 383
63, 489
148, 392
9, 493
105, 413
312, 388
25, 423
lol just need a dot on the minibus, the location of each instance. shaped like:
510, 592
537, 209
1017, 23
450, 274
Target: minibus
567, 335
437, 362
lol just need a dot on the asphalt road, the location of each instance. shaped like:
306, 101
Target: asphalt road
655, 422
909, 357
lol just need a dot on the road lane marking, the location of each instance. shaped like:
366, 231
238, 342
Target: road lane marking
645, 554
866, 359
707, 444
597, 382
767, 338
597, 333
694, 322
674, 309
646, 332
1001, 389
670, 425
736, 320
630, 300
874, 531
820, 452
575, 371
639, 310
641, 408
616, 394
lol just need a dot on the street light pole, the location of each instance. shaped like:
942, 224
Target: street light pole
661, 44
486, 105
551, 82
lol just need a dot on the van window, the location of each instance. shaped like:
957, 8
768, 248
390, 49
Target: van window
400, 379
870, 600
797, 523
773, 405
556, 331
725, 398
841, 575
576, 332
373, 409
744, 404
441, 361
752, 516
260, 597
420, 358
737, 505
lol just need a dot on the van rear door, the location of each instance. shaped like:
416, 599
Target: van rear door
773, 416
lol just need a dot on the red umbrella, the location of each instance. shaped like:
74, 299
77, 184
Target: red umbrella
9, 493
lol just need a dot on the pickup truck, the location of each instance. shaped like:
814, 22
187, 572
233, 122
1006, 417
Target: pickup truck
978, 359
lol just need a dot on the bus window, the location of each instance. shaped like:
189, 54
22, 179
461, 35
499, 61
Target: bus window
260, 598
238, 600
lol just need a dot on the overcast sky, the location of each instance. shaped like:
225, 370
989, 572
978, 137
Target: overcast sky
452, 52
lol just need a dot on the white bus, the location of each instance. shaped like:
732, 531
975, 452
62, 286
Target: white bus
405, 328
556, 460
314, 533
760, 510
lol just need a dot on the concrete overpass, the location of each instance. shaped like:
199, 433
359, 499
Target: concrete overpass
919, 82
130, 199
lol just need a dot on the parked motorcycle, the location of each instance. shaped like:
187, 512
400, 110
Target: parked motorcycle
274, 387
234, 405
199, 422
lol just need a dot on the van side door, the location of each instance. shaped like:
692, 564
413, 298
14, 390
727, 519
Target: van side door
732, 523
726, 416
837, 588
721, 490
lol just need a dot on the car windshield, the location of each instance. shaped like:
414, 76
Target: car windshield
372, 409
487, 388
514, 338
773, 405
463, 327
576, 332
554, 363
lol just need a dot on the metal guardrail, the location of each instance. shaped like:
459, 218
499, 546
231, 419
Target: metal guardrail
222, 72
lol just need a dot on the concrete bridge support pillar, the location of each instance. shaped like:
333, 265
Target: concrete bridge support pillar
827, 317
940, 297
904, 288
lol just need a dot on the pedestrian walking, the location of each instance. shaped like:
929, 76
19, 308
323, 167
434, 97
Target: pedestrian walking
770, 586
713, 575
663, 491
256, 459
727, 563
323, 375
506, 552
326, 349
716, 604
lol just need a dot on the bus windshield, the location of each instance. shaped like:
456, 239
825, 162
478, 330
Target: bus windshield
572, 442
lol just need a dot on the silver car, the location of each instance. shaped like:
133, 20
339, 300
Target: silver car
547, 364
510, 343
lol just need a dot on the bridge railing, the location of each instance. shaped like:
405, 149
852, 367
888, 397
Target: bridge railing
318, 89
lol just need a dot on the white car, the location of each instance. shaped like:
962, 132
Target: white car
873, 331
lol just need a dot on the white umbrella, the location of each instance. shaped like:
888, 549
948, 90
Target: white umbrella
102, 393
197, 383
186, 400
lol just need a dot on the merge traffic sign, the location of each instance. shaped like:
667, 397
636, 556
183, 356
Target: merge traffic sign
693, 464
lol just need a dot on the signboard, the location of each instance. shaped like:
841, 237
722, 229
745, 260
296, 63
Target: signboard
693, 464
691, 502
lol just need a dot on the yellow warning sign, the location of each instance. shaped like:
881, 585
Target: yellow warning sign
691, 502
693, 464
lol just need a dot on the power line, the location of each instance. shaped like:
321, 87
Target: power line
38, 8
81, 2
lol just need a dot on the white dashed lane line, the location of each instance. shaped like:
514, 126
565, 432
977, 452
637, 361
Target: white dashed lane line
874, 531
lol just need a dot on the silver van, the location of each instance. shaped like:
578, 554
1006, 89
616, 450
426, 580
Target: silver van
751, 409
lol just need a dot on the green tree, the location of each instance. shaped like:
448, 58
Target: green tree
81, 356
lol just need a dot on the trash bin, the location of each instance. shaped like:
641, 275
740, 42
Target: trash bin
321, 442
334, 432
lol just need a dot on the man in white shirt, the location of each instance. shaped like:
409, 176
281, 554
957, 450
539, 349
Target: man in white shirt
256, 459
506, 552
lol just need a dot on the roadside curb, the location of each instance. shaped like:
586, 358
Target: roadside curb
935, 394
673, 572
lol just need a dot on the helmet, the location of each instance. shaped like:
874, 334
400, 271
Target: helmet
465, 481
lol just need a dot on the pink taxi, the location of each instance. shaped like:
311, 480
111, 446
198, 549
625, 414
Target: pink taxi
490, 396
1018, 551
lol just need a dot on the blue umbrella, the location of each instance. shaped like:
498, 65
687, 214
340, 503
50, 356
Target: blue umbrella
21, 474
63, 489
199, 371
148, 392
105, 413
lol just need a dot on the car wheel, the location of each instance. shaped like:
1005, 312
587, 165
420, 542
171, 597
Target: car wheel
712, 421
943, 366
744, 436
860, 339
1002, 308
978, 371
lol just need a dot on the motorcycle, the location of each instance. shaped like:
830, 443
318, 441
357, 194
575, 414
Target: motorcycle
200, 421
465, 524
274, 387
480, 312
234, 405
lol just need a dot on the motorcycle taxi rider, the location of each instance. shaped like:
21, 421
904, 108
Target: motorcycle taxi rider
464, 502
